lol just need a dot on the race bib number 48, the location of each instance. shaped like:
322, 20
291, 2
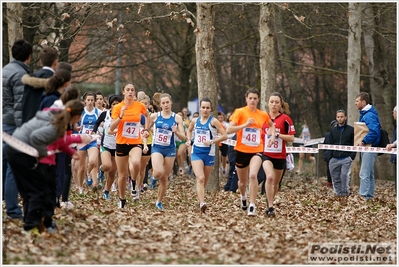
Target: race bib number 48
251, 137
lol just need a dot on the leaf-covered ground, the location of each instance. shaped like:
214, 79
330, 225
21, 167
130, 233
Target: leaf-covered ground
97, 232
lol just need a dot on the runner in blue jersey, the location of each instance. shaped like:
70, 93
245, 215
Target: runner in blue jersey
167, 124
206, 129
86, 125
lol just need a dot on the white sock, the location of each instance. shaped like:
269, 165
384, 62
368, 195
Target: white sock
251, 205
244, 197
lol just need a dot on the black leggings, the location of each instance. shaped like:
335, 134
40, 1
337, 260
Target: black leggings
67, 179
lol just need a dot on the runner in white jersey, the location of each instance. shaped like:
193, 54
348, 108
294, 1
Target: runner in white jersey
108, 145
86, 126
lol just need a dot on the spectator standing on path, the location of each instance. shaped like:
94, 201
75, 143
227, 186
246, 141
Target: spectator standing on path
34, 88
394, 144
274, 156
13, 90
126, 117
247, 123
42, 130
223, 148
167, 124
368, 115
328, 153
206, 129
55, 86
305, 136
341, 161
232, 179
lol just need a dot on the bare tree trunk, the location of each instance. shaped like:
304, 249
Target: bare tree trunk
206, 70
267, 57
379, 82
306, 107
354, 56
14, 20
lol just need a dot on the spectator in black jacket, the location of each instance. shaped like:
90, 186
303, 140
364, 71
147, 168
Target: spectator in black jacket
34, 87
341, 161
328, 153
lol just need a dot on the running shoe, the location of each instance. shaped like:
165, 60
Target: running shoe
89, 181
159, 206
67, 205
122, 203
106, 195
81, 192
244, 204
203, 207
145, 187
252, 211
270, 212
113, 188
153, 182
33, 232
100, 174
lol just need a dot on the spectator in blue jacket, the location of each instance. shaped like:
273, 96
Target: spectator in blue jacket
368, 115
394, 144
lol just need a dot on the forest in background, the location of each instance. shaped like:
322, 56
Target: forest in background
154, 45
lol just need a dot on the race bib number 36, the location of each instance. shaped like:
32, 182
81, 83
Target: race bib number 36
251, 137
201, 136
131, 130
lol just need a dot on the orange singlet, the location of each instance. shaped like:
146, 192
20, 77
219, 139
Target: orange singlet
129, 125
249, 138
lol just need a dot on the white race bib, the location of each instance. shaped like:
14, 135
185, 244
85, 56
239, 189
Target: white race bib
131, 130
277, 146
87, 129
162, 137
201, 136
251, 137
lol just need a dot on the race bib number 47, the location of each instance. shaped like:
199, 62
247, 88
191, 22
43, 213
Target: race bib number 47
131, 130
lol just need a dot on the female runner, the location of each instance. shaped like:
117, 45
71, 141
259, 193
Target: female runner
274, 157
126, 117
206, 129
247, 123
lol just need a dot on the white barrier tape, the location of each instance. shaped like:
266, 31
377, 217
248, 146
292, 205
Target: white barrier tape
305, 150
301, 149
20, 146
358, 149
308, 142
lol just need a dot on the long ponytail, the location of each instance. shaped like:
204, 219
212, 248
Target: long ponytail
62, 117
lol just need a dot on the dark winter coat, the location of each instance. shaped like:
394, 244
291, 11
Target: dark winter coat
13, 90
342, 136
34, 88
